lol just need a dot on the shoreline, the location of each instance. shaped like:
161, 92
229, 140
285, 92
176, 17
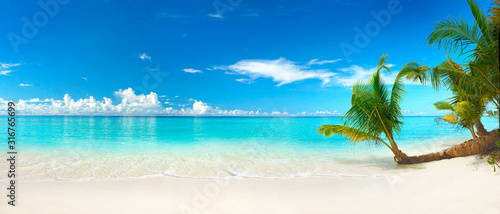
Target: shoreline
459, 185
82, 165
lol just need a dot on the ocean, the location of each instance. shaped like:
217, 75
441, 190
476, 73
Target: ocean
80, 148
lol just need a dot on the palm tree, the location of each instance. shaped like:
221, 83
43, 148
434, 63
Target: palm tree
462, 113
492, 113
455, 79
474, 83
375, 111
478, 42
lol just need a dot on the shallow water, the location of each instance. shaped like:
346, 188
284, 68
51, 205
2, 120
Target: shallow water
123, 147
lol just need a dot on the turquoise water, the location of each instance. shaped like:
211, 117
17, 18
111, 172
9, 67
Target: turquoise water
120, 147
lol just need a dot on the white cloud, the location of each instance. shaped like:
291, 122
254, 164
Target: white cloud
84, 78
248, 81
420, 114
200, 107
25, 85
8, 65
5, 68
325, 113
190, 70
216, 15
36, 100
132, 104
322, 62
354, 73
281, 71
144, 56
5, 72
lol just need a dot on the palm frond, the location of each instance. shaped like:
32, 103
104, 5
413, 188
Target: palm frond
453, 35
480, 20
416, 72
467, 112
443, 105
383, 63
354, 135
494, 18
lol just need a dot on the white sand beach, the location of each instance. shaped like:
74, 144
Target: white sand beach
461, 185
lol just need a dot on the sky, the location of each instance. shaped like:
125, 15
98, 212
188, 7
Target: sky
222, 57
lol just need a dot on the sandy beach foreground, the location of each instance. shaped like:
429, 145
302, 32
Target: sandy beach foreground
461, 185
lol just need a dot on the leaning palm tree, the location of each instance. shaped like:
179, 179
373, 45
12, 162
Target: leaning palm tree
453, 77
375, 111
375, 117
474, 83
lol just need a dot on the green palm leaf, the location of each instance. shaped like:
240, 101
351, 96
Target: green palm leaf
443, 105
354, 135
467, 112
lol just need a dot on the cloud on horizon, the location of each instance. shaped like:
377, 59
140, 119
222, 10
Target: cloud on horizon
132, 104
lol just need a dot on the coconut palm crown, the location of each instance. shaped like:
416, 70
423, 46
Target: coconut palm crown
478, 42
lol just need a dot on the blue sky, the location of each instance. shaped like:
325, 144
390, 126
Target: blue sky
211, 56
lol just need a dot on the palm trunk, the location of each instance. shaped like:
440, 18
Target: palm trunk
498, 109
481, 131
398, 154
471, 129
470, 147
